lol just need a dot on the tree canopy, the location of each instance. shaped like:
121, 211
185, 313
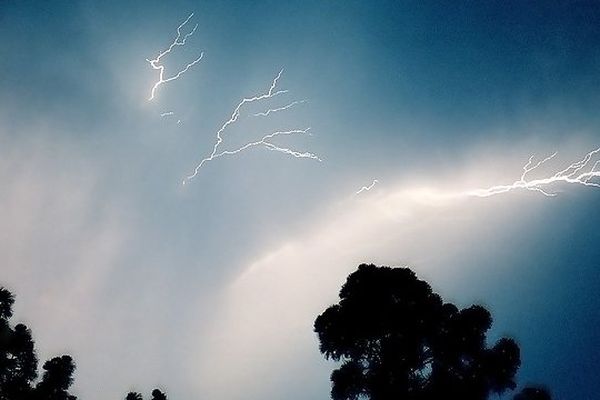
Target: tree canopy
397, 339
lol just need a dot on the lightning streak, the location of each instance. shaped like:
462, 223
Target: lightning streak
273, 110
367, 188
578, 173
266, 140
179, 41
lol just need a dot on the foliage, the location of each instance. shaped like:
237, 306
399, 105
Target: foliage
18, 363
397, 339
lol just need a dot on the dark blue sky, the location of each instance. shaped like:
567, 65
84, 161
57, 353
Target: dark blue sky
449, 96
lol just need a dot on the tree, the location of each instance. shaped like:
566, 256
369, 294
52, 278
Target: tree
18, 363
19, 368
397, 339
57, 378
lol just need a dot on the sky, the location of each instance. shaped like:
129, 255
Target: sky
210, 289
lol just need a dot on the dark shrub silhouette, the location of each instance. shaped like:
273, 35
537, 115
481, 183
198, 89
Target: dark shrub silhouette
133, 396
397, 339
156, 395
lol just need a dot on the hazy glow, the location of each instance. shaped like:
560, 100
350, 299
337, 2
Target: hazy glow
581, 172
269, 306
299, 278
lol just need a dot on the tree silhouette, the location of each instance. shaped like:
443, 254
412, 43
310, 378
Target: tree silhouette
397, 339
57, 378
18, 363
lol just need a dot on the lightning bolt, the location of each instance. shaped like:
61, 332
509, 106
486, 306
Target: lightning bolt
367, 188
179, 41
273, 110
581, 172
266, 140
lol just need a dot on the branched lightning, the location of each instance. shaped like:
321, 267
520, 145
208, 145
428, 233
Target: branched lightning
367, 188
273, 110
580, 172
266, 140
179, 41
